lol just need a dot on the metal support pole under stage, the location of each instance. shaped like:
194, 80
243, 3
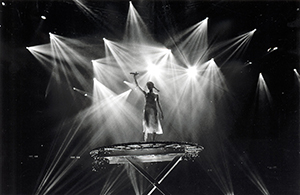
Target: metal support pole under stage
147, 152
159, 179
154, 182
166, 172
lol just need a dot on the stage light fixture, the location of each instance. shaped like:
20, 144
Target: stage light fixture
43, 17
295, 70
253, 31
272, 49
247, 62
51, 35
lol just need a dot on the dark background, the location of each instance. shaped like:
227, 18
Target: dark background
28, 117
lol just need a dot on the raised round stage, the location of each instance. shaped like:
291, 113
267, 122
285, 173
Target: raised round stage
145, 152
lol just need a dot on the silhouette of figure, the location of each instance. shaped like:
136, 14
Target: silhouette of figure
151, 123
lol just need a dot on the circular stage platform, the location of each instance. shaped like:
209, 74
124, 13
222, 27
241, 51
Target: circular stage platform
145, 152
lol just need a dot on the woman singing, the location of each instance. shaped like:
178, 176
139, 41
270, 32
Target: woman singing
151, 124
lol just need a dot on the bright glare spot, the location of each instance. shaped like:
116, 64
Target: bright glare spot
85, 95
248, 62
3, 3
43, 17
295, 70
75, 157
192, 71
51, 36
253, 31
153, 69
272, 49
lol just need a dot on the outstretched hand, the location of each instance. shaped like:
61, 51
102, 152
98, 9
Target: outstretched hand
134, 73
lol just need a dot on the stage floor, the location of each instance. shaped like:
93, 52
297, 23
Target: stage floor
145, 152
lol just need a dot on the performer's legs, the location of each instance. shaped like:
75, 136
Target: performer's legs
154, 136
145, 136
146, 117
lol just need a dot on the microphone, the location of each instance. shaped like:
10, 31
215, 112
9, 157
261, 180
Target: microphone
134, 73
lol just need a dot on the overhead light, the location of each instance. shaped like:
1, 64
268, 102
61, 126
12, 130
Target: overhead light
192, 71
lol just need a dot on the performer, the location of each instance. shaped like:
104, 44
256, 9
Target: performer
151, 123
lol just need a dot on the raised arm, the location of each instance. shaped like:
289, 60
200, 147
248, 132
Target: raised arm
137, 84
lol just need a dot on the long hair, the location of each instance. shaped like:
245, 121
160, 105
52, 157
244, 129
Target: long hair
150, 84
